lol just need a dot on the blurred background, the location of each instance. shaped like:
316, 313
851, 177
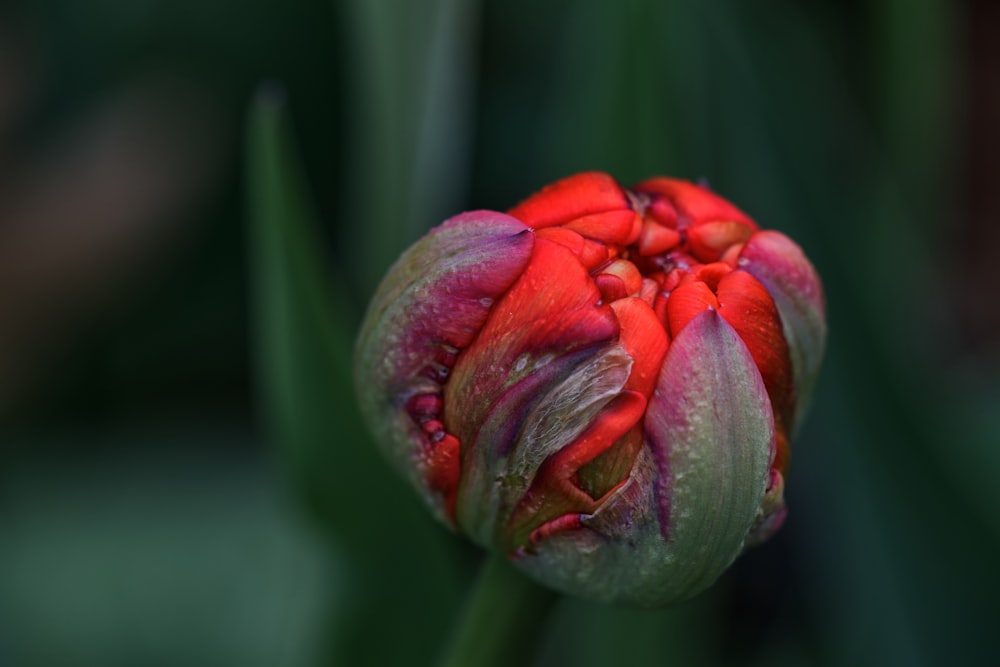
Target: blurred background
196, 200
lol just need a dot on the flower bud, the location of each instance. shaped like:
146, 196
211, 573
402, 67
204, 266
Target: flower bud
600, 384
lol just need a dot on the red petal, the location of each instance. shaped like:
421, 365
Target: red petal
609, 227
626, 270
551, 310
565, 522
663, 212
571, 198
644, 339
656, 238
443, 470
564, 237
673, 279
649, 291
686, 302
694, 202
591, 253
594, 253
612, 287
709, 240
711, 274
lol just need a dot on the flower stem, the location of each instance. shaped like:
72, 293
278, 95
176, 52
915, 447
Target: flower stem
501, 621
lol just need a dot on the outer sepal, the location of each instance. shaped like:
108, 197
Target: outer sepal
430, 306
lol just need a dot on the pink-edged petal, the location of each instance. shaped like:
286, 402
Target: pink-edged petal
778, 263
430, 305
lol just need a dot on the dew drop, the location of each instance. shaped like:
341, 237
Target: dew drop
521, 363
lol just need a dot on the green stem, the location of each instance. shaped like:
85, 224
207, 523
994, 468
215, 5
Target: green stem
501, 621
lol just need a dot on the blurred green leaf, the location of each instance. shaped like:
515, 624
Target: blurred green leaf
586, 634
411, 74
164, 549
872, 474
916, 90
406, 575
303, 326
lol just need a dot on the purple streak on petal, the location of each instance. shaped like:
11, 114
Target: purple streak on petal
709, 387
661, 485
431, 304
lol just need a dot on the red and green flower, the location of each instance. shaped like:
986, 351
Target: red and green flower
601, 383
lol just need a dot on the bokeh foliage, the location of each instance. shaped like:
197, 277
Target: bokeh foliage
185, 480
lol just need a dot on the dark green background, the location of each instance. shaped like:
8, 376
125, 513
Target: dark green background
185, 251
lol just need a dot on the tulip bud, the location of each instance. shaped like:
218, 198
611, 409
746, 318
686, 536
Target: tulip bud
600, 384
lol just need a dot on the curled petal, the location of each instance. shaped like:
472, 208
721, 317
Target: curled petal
574, 197
620, 227
555, 491
645, 341
655, 238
